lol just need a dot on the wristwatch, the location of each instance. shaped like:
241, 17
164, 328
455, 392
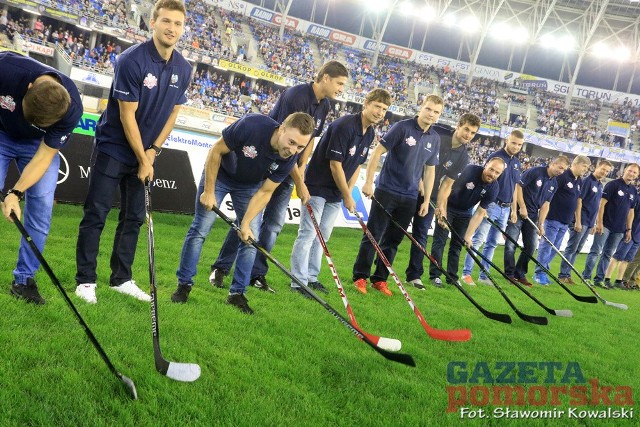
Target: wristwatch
17, 193
157, 149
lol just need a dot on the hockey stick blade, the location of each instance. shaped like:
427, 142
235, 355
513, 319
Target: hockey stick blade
185, 372
130, 385
405, 359
615, 304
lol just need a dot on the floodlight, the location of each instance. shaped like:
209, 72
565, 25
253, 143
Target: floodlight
520, 35
449, 20
600, 49
547, 40
470, 24
566, 43
377, 5
622, 53
406, 7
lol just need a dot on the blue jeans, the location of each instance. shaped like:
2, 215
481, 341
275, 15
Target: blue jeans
38, 201
419, 229
107, 174
626, 251
604, 245
530, 241
487, 234
459, 222
387, 234
576, 241
555, 231
201, 226
306, 254
273, 218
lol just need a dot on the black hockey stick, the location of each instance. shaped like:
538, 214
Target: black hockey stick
500, 317
582, 298
175, 370
405, 359
45, 265
575, 270
538, 320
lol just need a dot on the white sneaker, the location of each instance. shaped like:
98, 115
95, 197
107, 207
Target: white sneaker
87, 292
130, 288
417, 283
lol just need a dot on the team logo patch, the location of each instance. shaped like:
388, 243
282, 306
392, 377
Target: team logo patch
174, 78
365, 150
552, 188
250, 151
620, 193
272, 167
428, 145
594, 189
318, 124
631, 196
352, 150
150, 81
448, 164
569, 184
539, 183
470, 185
410, 141
7, 103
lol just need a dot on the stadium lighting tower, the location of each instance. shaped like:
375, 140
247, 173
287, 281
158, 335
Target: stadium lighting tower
390, 7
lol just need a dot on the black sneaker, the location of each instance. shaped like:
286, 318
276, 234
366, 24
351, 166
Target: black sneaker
317, 286
216, 278
239, 301
260, 282
301, 291
181, 295
607, 284
28, 292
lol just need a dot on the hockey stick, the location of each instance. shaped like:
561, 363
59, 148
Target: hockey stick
500, 317
439, 334
405, 359
390, 344
45, 265
175, 370
575, 270
538, 320
586, 298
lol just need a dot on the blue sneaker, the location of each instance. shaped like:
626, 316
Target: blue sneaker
542, 279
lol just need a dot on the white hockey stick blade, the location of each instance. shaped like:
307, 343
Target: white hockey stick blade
389, 344
186, 372
563, 313
617, 305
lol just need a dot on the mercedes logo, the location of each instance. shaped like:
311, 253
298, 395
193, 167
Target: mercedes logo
63, 170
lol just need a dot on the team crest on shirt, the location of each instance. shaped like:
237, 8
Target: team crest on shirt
7, 103
250, 151
470, 185
174, 78
551, 188
410, 141
631, 196
539, 183
594, 189
272, 167
150, 81
448, 164
318, 124
352, 150
365, 150
620, 193
569, 184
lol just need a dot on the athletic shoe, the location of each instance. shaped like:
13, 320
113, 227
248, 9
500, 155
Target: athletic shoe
260, 282
468, 280
417, 283
566, 280
485, 281
382, 287
87, 292
607, 284
240, 302
301, 291
317, 286
541, 279
130, 288
599, 285
181, 295
619, 284
524, 281
361, 285
437, 282
216, 278
28, 292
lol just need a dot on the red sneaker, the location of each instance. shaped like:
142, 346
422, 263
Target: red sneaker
361, 285
382, 287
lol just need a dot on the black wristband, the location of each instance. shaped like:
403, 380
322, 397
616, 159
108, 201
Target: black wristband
17, 193
157, 149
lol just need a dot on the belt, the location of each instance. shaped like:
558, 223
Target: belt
503, 204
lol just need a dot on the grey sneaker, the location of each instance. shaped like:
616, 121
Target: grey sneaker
417, 283
485, 281
437, 282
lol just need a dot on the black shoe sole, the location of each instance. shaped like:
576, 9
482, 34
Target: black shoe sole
19, 296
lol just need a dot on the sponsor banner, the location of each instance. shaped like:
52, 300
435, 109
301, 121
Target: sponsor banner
359, 99
90, 77
619, 128
389, 50
252, 72
233, 5
44, 10
87, 124
272, 17
330, 34
38, 48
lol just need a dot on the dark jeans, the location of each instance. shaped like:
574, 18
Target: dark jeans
459, 222
420, 227
107, 174
529, 240
387, 234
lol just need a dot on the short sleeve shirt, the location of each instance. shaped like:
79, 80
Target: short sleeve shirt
510, 177
563, 205
620, 197
469, 189
537, 188
591, 194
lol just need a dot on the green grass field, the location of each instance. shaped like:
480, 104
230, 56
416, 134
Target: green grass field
291, 363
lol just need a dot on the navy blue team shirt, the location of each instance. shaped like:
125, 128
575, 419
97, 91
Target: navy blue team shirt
252, 159
537, 188
469, 189
590, 195
452, 161
620, 197
344, 142
510, 177
16, 72
409, 149
142, 76
563, 205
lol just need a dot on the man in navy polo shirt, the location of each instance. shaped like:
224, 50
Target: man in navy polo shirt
248, 162
625, 252
615, 217
475, 184
330, 178
533, 193
501, 209
313, 99
561, 213
453, 159
39, 108
412, 149
148, 87
585, 217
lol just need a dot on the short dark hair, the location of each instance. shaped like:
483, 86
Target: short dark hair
633, 165
562, 159
517, 133
471, 119
169, 5
332, 69
301, 121
378, 95
604, 162
46, 102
